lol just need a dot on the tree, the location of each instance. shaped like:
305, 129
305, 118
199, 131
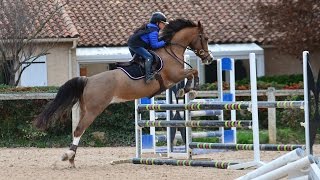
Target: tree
296, 25
291, 25
23, 26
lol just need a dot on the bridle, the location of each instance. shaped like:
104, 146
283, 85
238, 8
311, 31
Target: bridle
199, 53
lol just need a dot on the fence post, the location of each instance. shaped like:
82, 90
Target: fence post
75, 117
272, 129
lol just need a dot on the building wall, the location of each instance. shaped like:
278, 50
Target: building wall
279, 64
94, 68
58, 64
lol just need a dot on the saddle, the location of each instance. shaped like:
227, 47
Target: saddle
135, 68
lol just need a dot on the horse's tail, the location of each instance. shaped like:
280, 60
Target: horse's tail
68, 94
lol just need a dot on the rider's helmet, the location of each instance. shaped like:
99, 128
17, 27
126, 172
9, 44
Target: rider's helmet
158, 17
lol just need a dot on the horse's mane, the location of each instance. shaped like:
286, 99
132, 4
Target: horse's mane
175, 26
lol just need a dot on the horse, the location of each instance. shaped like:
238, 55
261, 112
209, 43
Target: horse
95, 93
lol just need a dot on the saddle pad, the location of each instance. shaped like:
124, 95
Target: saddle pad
136, 72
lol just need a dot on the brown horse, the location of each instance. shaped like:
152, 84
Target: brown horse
97, 92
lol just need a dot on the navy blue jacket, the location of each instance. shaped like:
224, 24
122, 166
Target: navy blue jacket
152, 38
147, 38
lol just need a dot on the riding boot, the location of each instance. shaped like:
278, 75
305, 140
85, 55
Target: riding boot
148, 68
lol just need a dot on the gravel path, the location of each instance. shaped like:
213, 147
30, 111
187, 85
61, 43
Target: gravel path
94, 163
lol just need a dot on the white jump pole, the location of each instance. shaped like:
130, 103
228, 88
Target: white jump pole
152, 115
169, 150
306, 101
188, 129
287, 169
314, 171
254, 108
75, 117
220, 94
233, 92
188, 152
275, 164
138, 131
188, 116
255, 123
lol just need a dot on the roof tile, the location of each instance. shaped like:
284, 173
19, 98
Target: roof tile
60, 26
110, 22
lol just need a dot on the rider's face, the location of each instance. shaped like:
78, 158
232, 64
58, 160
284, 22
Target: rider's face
161, 25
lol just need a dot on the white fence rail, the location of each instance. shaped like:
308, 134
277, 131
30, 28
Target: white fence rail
207, 94
21, 96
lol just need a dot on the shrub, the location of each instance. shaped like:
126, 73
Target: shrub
278, 82
16, 126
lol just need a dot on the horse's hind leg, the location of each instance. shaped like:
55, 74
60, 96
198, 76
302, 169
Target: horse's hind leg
86, 119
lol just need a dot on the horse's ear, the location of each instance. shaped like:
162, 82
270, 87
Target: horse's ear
199, 25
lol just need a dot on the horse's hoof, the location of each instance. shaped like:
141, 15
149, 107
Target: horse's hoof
67, 155
72, 165
64, 157
192, 95
180, 93
196, 88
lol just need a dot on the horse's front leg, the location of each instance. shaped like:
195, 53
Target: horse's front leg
190, 74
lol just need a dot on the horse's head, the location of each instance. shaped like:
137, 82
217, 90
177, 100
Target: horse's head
199, 45
189, 35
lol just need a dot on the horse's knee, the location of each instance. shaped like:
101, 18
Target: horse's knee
187, 89
196, 83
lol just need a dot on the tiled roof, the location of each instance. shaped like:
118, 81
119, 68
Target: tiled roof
110, 22
59, 26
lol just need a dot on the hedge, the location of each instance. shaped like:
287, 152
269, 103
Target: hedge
114, 127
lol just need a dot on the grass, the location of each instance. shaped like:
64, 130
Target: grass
284, 136
37, 89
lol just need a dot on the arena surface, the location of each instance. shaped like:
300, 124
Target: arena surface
94, 163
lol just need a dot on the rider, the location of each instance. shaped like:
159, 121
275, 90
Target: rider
146, 37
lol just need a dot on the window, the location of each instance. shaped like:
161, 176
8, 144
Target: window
35, 74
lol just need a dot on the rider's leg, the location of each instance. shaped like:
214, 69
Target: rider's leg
148, 68
148, 62
132, 52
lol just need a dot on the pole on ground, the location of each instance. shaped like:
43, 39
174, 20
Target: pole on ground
275, 164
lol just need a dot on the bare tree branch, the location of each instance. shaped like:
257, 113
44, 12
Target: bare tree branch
22, 22
292, 25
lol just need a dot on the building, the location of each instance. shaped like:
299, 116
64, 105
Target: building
95, 37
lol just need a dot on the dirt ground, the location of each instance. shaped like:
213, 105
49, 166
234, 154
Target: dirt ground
94, 163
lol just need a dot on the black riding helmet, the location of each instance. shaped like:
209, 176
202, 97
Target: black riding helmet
158, 17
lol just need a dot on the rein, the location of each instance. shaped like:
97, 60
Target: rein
172, 54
